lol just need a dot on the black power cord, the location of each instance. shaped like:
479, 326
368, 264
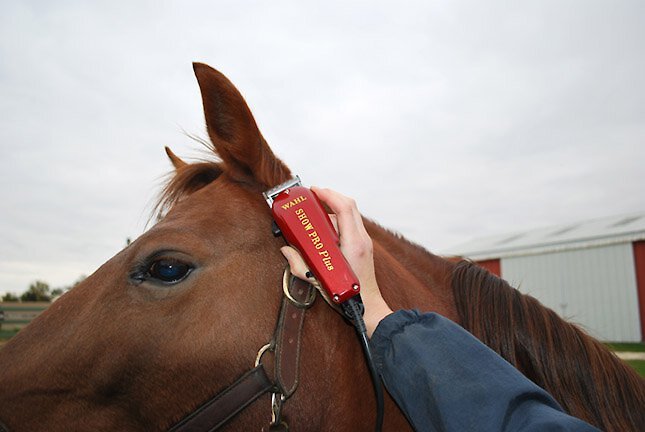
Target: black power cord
353, 309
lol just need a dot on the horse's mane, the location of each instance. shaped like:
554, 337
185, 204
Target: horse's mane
588, 380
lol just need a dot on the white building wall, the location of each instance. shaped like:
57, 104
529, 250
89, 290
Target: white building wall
593, 287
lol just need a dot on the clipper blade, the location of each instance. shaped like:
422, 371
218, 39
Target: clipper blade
275, 191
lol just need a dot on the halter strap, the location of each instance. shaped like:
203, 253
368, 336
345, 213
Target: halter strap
286, 343
288, 335
224, 406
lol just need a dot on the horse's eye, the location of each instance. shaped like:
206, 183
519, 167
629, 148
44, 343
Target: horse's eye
168, 270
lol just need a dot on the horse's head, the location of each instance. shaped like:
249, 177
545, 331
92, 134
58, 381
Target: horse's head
181, 312
177, 314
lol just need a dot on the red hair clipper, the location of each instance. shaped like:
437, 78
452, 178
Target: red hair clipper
305, 225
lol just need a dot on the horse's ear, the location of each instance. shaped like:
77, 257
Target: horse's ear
233, 131
174, 159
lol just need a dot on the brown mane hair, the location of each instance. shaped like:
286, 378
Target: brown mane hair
578, 371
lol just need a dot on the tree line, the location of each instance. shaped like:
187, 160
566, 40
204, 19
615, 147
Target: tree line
40, 291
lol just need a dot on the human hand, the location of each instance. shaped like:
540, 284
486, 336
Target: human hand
356, 245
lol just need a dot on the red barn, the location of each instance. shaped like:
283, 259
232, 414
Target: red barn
592, 272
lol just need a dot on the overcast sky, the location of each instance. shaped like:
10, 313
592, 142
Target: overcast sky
446, 121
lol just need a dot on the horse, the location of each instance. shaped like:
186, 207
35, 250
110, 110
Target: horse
180, 313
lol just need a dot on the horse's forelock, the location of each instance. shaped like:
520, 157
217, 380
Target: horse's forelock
186, 180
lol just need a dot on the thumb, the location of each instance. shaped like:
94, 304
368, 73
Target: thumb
298, 266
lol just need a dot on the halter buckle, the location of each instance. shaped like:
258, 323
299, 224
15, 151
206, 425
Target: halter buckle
277, 400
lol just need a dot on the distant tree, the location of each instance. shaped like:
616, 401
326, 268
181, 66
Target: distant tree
38, 291
56, 292
10, 297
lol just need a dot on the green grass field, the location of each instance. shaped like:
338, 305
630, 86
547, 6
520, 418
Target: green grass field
626, 346
639, 365
7, 334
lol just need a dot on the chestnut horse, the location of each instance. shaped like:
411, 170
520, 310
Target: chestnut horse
180, 313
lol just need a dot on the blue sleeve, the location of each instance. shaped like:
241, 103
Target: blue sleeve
444, 379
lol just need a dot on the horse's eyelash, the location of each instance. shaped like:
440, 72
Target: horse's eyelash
138, 273
140, 269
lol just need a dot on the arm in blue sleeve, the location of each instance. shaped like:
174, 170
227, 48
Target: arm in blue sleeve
444, 379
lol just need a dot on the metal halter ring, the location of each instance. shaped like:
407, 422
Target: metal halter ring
286, 279
265, 348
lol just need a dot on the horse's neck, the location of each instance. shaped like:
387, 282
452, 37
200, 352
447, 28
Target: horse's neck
580, 372
409, 276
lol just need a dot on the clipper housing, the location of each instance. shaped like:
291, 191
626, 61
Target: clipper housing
306, 226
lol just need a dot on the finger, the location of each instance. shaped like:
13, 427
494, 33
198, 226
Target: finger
334, 221
349, 219
298, 266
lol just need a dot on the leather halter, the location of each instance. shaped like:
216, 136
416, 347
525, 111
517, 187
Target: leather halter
286, 343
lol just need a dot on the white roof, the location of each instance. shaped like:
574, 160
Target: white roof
597, 232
